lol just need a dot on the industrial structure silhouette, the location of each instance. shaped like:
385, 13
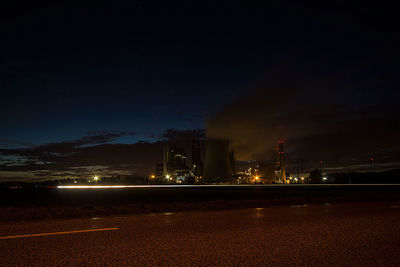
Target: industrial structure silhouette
212, 161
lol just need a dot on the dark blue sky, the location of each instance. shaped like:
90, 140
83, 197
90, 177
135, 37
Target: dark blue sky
68, 71
143, 68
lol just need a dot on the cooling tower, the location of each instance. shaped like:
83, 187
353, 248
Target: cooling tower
268, 172
217, 167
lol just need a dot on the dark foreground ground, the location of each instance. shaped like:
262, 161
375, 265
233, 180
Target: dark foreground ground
37, 204
326, 234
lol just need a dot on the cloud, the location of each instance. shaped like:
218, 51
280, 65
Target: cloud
67, 147
7, 143
96, 152
107, 133
325, 118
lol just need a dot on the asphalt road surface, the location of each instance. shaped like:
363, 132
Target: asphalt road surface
363, 234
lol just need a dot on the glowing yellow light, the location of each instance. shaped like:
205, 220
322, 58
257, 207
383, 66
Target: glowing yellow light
167, 176
96, 178
257, 177
152, 176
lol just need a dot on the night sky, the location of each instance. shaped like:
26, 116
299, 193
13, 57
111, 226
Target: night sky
100, 87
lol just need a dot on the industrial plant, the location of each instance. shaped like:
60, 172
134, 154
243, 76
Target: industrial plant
212, 161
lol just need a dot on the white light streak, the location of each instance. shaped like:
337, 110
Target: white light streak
217, 185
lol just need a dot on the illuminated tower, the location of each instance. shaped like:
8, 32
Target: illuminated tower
281, 156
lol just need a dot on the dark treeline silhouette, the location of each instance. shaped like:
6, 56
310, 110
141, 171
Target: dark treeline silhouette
385, 177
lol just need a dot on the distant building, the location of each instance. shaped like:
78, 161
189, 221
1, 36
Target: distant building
274, 171
159, 170
197, 164
174, 162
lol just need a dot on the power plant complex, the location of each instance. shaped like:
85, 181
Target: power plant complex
212, 161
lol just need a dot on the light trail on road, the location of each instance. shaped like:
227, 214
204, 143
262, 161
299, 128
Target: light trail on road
58, 233
216, 185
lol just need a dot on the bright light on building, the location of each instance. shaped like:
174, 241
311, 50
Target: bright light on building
96, 178
152, 176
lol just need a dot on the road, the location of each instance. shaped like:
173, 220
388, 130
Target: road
351, 234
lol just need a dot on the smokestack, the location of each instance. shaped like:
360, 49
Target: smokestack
281, 154
217, 167
197, 165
